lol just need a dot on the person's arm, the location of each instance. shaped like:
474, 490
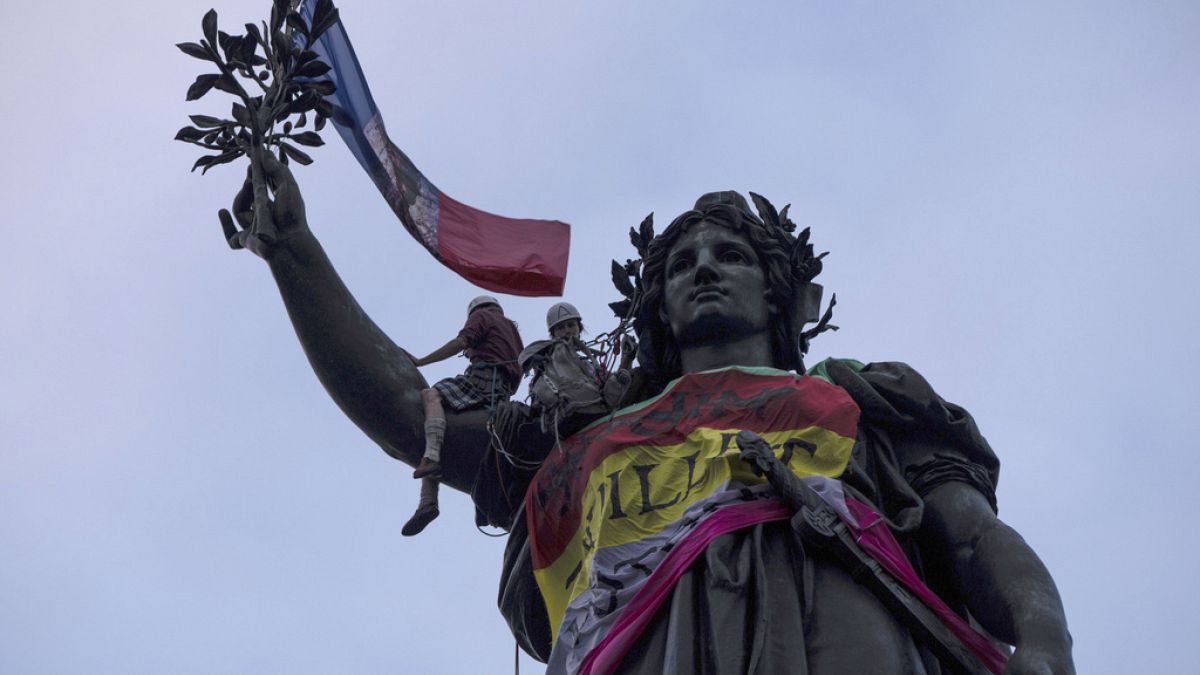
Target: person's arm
371, 379
1000, 579
629, 348
616, 386
454, 346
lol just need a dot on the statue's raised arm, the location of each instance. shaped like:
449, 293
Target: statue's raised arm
371, 378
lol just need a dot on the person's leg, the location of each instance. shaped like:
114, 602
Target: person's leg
429, 468
435, 431
427, 509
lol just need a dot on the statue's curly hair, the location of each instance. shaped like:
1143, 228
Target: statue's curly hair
774, 245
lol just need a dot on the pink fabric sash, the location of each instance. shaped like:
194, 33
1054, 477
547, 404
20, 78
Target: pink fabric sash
871, 533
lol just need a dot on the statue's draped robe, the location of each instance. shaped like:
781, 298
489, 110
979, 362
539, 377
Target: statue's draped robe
756, 600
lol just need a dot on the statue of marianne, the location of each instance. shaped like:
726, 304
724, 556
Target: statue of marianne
723, 581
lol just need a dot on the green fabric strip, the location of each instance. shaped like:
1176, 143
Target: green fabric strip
821, 370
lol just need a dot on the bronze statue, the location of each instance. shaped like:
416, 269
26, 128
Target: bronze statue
721, 290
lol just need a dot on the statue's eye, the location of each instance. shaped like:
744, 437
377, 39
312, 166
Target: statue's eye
734, 256
680, 264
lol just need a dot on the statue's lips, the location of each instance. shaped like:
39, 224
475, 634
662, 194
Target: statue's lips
707, 294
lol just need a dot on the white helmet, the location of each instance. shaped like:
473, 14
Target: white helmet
560, 312
480, 302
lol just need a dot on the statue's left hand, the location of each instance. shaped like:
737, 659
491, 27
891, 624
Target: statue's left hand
284, 215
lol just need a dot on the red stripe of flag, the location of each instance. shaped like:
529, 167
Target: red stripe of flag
506, 255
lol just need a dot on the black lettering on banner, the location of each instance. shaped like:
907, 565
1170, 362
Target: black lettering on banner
691, 462
615, 586
656, 422
559, 483
789, 449
615, 496
609, 581
636, 561
589, 541
691, 521
574, 573
643, 472
727, 440
729, 400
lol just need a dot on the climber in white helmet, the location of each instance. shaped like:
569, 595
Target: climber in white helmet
568, 379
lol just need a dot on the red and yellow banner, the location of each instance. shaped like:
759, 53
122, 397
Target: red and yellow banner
627, 489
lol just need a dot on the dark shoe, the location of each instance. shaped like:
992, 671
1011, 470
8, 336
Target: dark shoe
425, 515
428, 469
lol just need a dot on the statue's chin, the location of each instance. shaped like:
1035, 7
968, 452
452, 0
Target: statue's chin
714, 330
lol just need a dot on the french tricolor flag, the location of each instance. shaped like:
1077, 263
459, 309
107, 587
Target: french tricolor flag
505, 255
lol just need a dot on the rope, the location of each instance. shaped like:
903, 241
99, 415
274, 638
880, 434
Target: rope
493, 535
498, 443
611, 341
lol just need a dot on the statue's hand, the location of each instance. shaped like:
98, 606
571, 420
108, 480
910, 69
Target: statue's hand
277, 220
756, 452
1039, 659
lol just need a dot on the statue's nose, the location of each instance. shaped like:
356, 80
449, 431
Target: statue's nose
706, 268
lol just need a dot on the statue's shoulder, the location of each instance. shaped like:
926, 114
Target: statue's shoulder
891, 394
880, 377
895, 398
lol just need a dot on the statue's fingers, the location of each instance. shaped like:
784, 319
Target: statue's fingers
289, 204
243, 202
256, 243
278, 174
230, 229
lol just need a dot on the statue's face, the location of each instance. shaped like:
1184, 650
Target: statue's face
715, 288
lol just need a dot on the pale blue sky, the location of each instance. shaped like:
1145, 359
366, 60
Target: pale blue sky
1009, 193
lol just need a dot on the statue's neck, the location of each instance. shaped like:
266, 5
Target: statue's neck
750, 351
